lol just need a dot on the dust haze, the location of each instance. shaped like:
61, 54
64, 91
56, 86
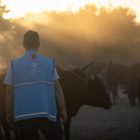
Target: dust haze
75, 38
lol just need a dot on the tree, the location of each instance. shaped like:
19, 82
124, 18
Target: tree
4, 23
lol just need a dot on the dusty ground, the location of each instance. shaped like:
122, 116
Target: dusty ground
118, 123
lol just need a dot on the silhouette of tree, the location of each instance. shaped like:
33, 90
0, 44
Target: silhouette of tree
3, 9
5, 24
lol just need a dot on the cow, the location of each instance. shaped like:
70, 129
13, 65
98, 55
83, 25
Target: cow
133, 84
116, 75
112, 75
3, 122
79, 90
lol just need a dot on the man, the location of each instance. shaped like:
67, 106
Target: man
34, 92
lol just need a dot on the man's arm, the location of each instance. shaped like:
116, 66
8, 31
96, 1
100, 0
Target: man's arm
9, 103
60, 102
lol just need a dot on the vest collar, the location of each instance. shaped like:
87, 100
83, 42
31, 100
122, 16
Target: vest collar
30, 52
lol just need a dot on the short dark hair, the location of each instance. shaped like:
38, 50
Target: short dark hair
31, 40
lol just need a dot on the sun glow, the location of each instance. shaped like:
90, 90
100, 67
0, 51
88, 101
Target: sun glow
19, 8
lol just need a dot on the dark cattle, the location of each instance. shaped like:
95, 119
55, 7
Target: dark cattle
112, 75
133, 84
80, 90
3, 123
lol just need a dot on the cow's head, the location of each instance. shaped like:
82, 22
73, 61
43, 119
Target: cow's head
96, 95
95, 92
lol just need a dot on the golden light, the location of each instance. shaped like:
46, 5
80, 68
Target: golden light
20, 8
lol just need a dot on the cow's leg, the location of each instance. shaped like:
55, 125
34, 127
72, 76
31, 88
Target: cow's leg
1, 136
139, 101
6, 130
36, 135
114, 94
131, 98
138, 95
67, 129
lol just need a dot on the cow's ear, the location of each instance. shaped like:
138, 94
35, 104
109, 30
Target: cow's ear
96, 77
93, 77
87, 82
91, 64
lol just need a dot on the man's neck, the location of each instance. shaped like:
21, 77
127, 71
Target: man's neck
31, 50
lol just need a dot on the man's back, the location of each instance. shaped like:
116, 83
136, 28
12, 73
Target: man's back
36, 92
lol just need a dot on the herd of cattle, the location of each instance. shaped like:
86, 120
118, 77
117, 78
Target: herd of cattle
89, 85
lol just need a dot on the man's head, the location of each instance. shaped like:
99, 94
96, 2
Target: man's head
31, 40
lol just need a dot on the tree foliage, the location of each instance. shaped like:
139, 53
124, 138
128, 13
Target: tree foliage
4, 23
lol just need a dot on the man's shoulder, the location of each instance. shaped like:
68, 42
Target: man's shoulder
45, 57
16, 59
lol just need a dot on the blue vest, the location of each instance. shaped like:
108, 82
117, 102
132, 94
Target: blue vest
34, 89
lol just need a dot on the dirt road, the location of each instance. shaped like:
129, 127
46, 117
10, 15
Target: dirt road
118, 123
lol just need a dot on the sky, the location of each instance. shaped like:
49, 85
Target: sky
20, 8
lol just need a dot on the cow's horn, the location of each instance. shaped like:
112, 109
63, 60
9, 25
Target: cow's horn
88, 65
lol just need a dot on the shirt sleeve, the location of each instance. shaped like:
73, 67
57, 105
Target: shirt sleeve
56, 76
9, 78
